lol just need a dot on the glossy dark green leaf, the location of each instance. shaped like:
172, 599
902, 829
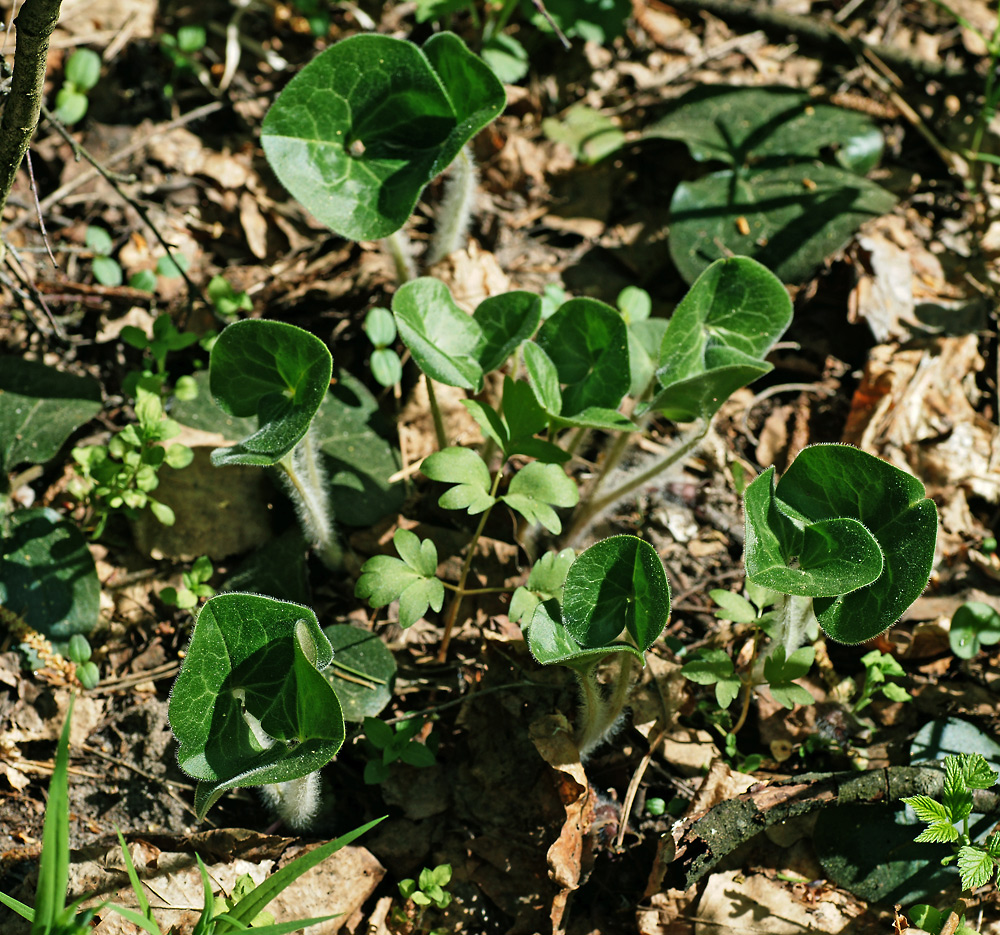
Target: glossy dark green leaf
544, 378
617, 584
47, 574
276, 372
40, 407
747, 125
588, 343
444, 340
362, 671
717, 337
507, 321
552, 644
794, 217
250, 704
359, 132
836, 482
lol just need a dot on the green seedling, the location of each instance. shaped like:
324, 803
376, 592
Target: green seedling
165, 339
83, 71
973, 626
846, 537
118, 477
385, 364
361, 168
587, 133
616, 585
79, 653
429, 888
775, 200
392, 745
194, 586
105, 268
182, 50
51, 915
251, 705
964, 772
279, 374
879, 668
245, 906
226, 299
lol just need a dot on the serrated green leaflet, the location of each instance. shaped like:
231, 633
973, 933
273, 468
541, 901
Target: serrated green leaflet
749, 125
360, 131
836, 482
794, 217
47, 574
250, 705
276, 372
444, 340
617, 584
718, 336
587, 341
40, 407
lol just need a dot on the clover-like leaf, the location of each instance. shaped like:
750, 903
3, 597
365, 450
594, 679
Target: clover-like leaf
359, 132
463, 468
830, 483
733, 607
552, 644
617, 584
411, 580
545, 581
536, 489
718, 336
40, 407
276, 372
444, 340
714, 667
250, 704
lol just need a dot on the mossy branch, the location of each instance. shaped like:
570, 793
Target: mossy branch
35, 24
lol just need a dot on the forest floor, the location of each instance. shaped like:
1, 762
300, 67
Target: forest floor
892, 348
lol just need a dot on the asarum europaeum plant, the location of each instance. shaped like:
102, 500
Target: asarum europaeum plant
252, 707
846, 537
360, 131
616, 586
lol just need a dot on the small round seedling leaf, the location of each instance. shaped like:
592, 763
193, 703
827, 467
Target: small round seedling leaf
718, 336
587, 341
272, 370
789, 218
47, 574
444, 340
362, 671
250, 704
617, 584
83, 69
40, 407
359, 132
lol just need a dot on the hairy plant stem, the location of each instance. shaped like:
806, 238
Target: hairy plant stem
598, 715
455, 211
748, 684
35, 22
442, 437
398, 245
311, 496
460, 591
794, 616
592, 506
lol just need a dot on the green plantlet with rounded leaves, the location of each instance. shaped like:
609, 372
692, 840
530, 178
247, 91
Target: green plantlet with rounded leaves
106, 269
390, 745
226, 299
973, 626
83, 71
194, 586
381, 330
429, 888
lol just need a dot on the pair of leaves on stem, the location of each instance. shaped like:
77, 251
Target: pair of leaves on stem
847, 529
714, 667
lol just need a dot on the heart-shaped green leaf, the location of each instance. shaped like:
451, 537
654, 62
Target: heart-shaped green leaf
617, 584
826, 483
361, 672
790, 218
717, 338
588, 343
506, 322
40, 407
551, 643
359, 132
444, 340
47, 574
250, 704
536, 489
747, 125
276, 372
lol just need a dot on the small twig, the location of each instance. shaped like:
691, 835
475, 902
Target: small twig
633, 786
11, 256
427, 712
38, 209
555, 26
